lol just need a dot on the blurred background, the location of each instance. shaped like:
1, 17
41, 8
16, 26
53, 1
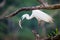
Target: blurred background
9, 28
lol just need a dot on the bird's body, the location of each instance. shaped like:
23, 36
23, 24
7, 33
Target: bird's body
41, 16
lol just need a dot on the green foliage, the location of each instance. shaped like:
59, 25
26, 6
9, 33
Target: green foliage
53, 33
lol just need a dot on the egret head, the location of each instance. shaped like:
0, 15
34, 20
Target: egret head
25, 16
22, 18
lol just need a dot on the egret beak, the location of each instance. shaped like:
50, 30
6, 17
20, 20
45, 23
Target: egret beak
20, 23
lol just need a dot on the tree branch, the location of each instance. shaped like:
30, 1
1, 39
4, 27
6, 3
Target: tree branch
55, 6
2, 3
57, 37
44, 3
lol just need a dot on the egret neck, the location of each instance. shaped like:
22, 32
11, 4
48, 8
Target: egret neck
28, 17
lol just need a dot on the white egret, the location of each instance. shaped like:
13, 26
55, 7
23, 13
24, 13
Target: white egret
39, 15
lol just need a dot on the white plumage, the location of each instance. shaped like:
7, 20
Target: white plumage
39, 15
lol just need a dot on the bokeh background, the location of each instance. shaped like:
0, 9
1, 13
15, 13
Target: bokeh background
9, 28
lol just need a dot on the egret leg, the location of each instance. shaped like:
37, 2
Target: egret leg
37, 37
39, 22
